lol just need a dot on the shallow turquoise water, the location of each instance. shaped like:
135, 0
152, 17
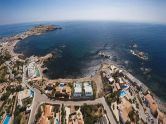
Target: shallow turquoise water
122, 93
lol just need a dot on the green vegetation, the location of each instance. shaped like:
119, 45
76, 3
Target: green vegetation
91, 113
18, 118
10, 90
5, 56
3, 72
5, 96
19, 109
15, 67
8, 104
108, 87
63, 113
70, 84
38, 115
13, 89
18, 63
56, 109
112, 97
27, 101
134, 117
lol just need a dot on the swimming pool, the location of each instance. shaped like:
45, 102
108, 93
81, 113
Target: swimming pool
122, 93
7, 120
61, 85
125, 86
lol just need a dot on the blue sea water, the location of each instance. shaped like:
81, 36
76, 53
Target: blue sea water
76, 46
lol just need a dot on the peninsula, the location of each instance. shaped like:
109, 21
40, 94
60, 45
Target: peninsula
9, 43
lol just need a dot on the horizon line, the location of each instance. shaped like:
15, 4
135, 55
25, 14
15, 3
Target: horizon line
90, 20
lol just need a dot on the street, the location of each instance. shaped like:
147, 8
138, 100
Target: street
42, 98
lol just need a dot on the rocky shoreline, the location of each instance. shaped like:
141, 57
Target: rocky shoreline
135, 81
10, 43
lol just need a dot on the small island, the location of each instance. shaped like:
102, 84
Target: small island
139, 54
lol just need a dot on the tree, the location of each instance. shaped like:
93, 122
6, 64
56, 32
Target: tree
5, 96
38, 115
127, 122
113, 106
63, 114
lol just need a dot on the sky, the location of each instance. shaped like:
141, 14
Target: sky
19, 11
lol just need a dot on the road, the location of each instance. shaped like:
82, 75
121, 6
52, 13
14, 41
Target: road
42, 98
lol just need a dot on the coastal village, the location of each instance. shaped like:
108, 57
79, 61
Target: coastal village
110, 96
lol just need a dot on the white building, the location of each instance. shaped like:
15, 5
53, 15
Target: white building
121, 80
111, 80
32, 70
77, 89
23, 95
88, 89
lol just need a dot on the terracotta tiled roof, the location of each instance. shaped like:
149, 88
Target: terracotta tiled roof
47, 113
47, 110
152, 103
125, 108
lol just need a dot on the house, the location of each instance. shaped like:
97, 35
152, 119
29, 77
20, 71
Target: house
88, 89
117, 86
111, 80
121, 81
23, 95
124, 108
49, 85
46, 115
77, 89
73, 116
62, 91
113, 69
32, 71
151, 104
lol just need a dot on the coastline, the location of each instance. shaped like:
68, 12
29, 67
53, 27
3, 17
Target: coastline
161, 103
10, 44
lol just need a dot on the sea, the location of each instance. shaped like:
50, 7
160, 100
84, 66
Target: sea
77, 45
